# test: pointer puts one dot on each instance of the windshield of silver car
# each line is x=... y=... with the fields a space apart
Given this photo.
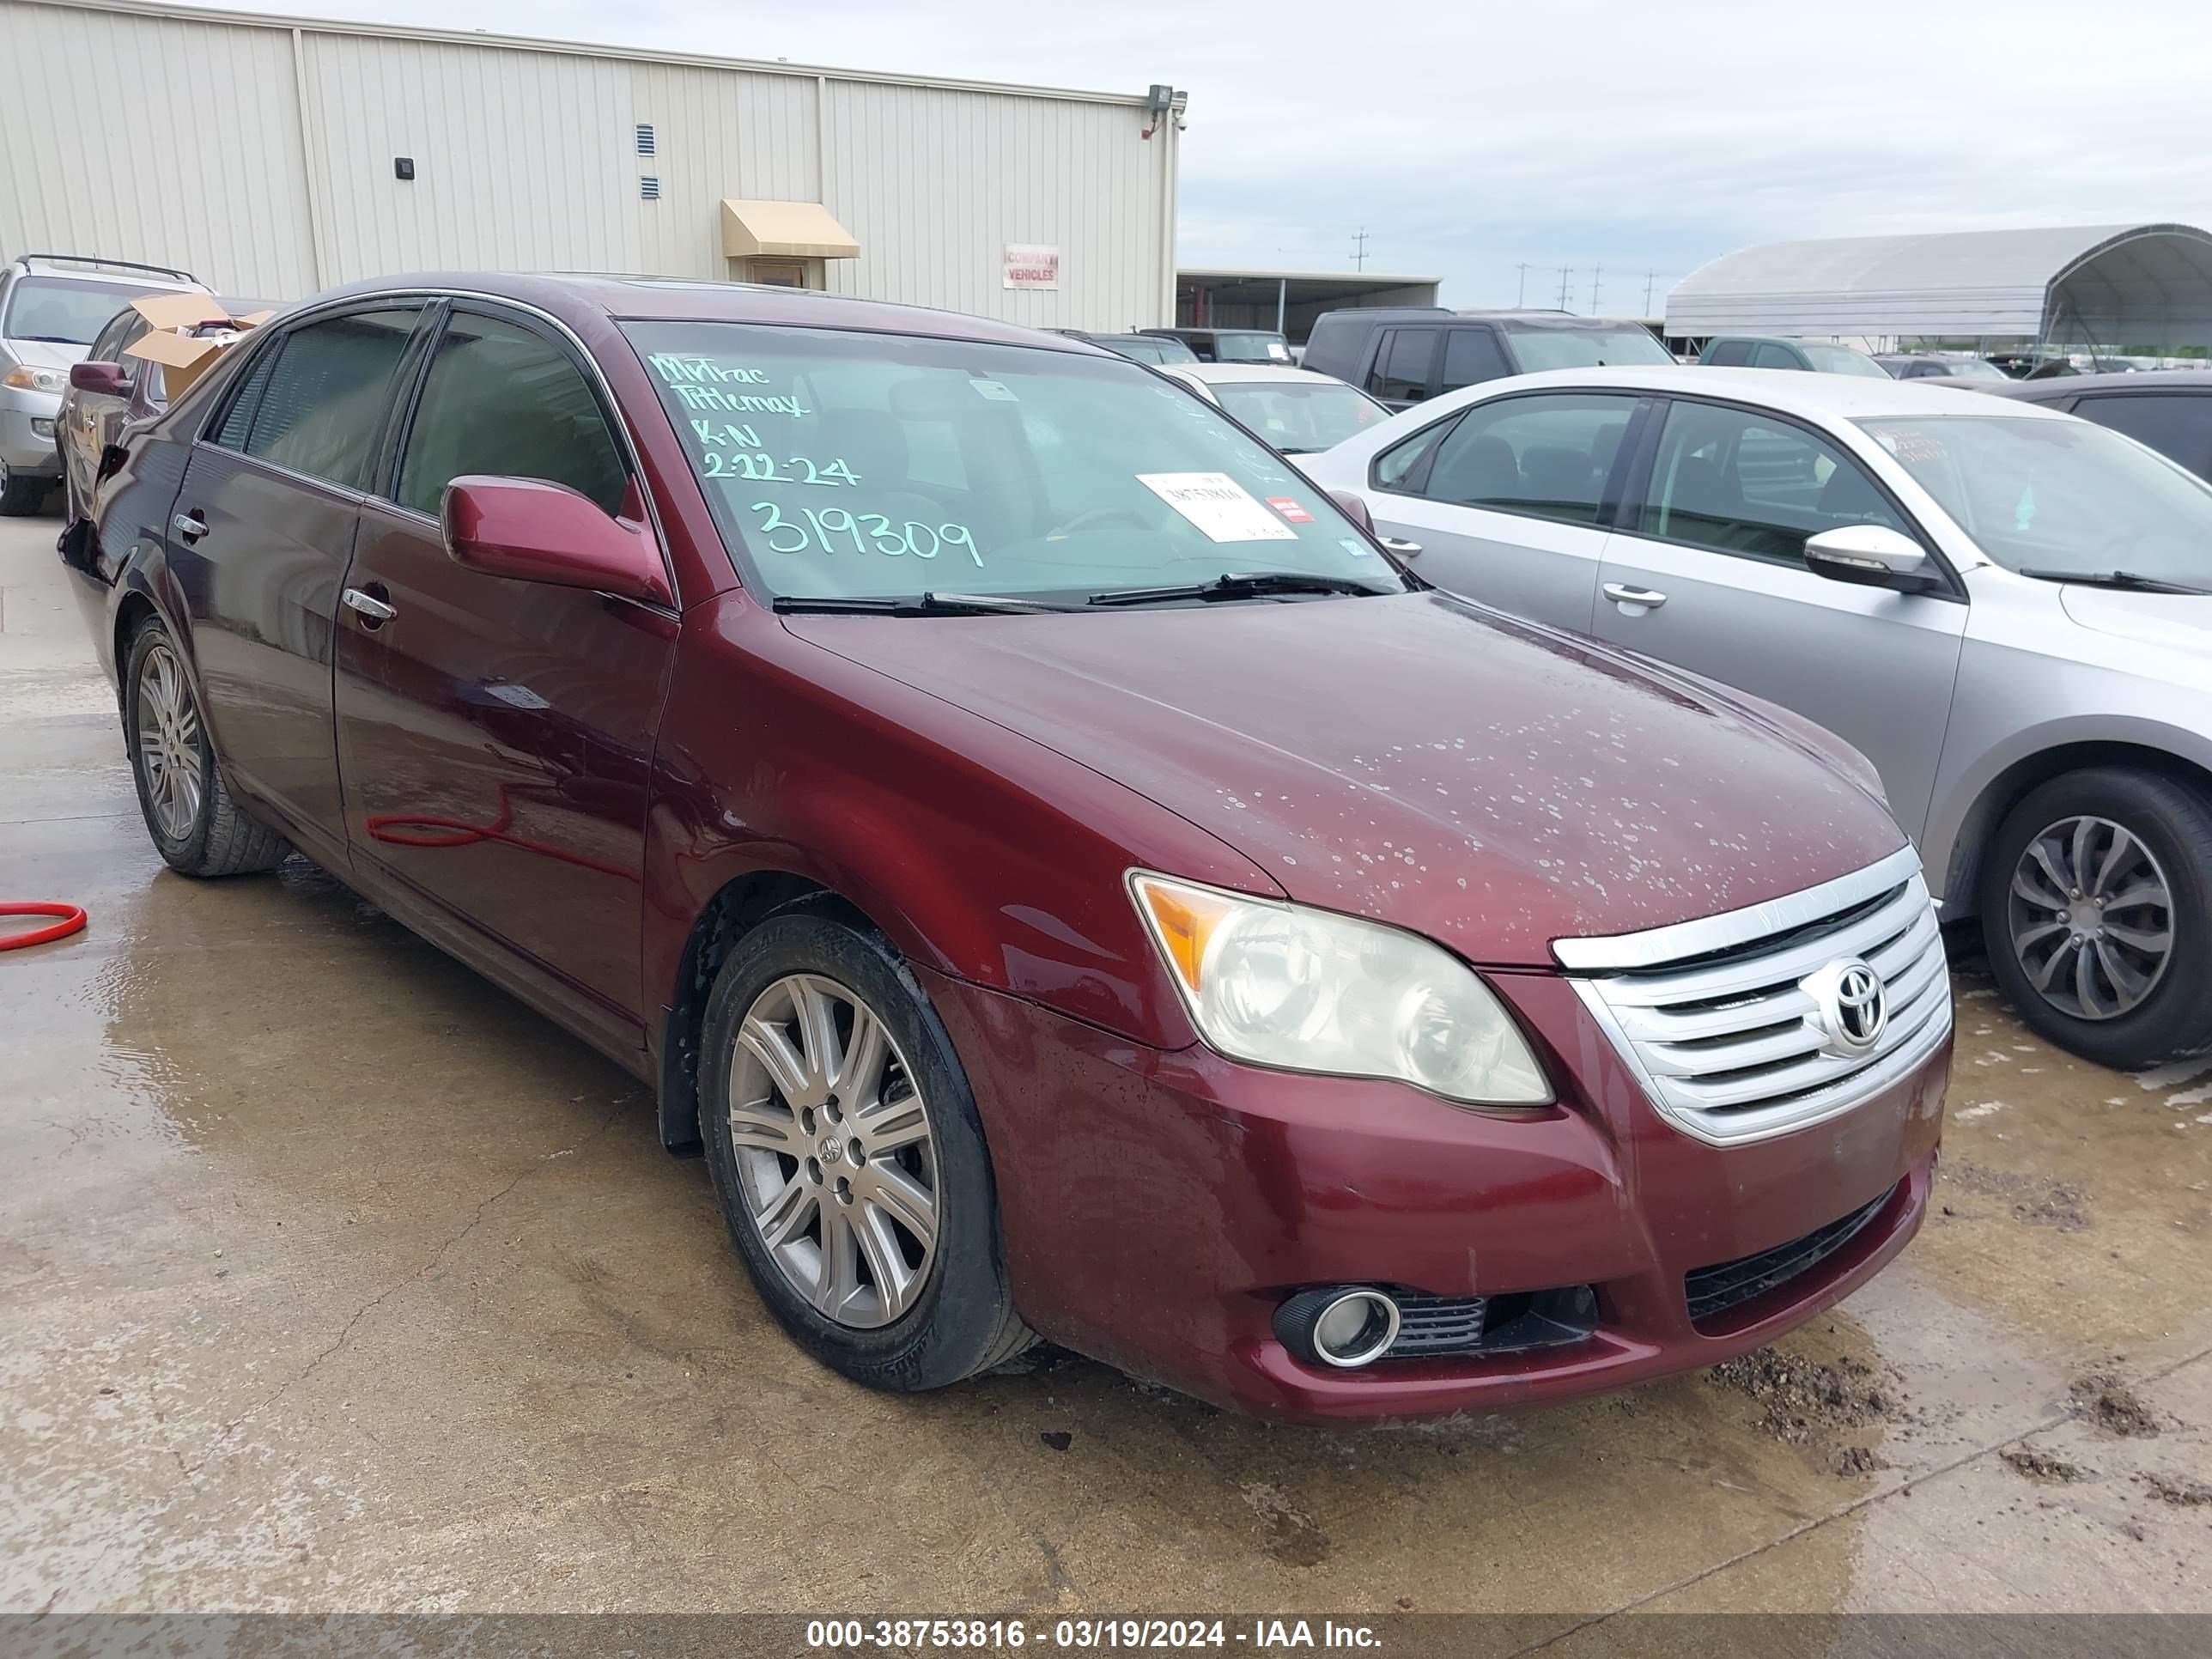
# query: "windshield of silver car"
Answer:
x=851 y=465
x=2059 y=497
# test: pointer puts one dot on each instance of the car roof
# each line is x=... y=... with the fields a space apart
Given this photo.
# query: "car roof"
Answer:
x=573 y=296
x=1787 y=390
x=1231 y=374
x=2149 y=380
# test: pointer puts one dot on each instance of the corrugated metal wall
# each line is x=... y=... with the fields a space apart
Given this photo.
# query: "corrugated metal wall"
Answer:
x=527 y=159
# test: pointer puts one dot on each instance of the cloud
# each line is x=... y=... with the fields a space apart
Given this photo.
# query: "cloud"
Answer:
x=1471 y=139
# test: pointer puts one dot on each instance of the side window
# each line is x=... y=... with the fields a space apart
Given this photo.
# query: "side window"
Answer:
x=107 y=346
x=1774 y=357
x=1401 y=365
x=328 y=389
x=1472 y=356
x=1739 y=482
x=502 y=399
x=1731 y=354
x=1546 y=456
x=2176 y=424
x=1395 y=467
x=246 y=399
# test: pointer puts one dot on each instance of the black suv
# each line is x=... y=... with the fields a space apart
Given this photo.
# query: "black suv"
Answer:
x=2169 y=410
x=1402 y=355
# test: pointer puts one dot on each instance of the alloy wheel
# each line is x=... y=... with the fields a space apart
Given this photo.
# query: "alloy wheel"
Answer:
x=169 y=752
x=834 y=1151
x=2091 y=918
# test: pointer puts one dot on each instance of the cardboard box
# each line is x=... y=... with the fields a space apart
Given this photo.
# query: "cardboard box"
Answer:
x=188 y=332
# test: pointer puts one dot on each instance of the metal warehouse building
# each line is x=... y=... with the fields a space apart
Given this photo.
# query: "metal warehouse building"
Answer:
x=273 y=156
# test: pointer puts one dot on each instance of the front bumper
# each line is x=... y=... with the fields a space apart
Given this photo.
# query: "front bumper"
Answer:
x=26 y=432
x=1158 y=1205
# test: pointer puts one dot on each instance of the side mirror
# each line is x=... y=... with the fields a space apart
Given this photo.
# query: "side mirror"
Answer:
x=528 y=531
x=1353 y=505
x=1872 y=555
x=103 y=379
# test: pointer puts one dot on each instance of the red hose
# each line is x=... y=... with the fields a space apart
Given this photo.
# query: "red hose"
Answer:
x=72 y=921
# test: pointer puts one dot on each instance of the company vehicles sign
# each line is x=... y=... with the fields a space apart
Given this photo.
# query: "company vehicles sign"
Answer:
x=1029 y=264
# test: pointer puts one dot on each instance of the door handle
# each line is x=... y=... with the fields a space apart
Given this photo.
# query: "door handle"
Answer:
x=189 y=526
x=375 y=612
x=1404 y=549
x=1644 y=598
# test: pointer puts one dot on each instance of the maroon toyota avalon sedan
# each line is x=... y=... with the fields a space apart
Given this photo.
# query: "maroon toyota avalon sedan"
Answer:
x=1068 y=880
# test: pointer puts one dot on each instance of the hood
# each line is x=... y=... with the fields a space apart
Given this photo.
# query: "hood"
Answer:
x=1419 y=759
x=2181 y=622
x=46 y=353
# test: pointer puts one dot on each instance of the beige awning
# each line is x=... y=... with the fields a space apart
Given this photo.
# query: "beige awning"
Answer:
x=785 y=230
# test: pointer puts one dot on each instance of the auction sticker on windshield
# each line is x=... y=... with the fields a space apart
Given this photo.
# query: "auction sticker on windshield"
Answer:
x=1218 y=506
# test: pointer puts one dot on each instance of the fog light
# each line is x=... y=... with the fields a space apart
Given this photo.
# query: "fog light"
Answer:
x=41 y=428
x=1343 y=1326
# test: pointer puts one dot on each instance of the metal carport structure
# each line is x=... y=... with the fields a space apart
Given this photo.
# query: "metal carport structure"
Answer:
x=2109 y=285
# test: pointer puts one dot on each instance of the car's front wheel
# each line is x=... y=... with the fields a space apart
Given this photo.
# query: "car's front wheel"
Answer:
x=196 y=826
x=848 y=1159
x=2096 y=908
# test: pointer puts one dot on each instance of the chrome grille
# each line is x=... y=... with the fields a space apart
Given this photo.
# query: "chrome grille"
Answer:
x=1715 y=1019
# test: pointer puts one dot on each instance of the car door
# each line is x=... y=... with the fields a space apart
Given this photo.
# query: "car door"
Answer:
x=1706 y=569
x=496 y=736
x=1767 y=355
x=259 y=538
x=2178 y=423
x=1508 y=502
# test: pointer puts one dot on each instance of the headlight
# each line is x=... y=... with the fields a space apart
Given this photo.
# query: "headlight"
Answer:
x=1312 y=991
x=26 y=378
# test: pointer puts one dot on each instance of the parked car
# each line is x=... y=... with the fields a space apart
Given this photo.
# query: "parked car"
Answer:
x=1138 y=348
x=2033 y=364
x=108 y=390
x=2170 y=410
x=1918 y=366
x=1068 y=878
x=1228 y=345
x=1772 y=351
x=1405 y=355
x=51 y=304
x=1295 y=410
x=2006 y=609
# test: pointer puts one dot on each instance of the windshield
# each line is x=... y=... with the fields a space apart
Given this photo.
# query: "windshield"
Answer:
x=2059 y=495
x=1297 y=415
x=1540 y=347
x=1147 y=348
x=1973 y=368
x=1841 y=360
x=883 y=466
x=1250 y=348
x=64 y=312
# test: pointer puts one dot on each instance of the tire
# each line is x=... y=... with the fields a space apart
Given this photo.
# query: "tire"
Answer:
x=196 y=826
x=22 y=494
x=2138 y=1001
x=785 y=1174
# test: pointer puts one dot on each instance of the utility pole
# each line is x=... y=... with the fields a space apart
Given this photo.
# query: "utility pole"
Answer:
x=1651 y=278
x=1596 y=271
x=1565 y=272
x=1521 y=294
x=1360 y=249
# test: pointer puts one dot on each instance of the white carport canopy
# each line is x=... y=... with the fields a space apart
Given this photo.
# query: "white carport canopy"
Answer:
x=2145 y=285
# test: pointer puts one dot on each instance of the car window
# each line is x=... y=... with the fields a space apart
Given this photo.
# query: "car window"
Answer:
x=1472 y=356
x=1737 y=482
x=1842 y=360
x=503 y=400
x=2176 y=424
x=1773 y=356
x=327 y=389
x=108 y=345
x=1731 y=354
x=1547 y=455
x=1401 y=365
x=64 y=311
x=1539 y=346
x=1298 y=416
x=1395 y=467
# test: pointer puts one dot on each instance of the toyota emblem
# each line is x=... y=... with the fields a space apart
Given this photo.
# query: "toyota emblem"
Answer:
x=1850 y=1008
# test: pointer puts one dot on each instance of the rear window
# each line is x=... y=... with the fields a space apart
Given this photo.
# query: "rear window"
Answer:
x=1842 y=360
x=882 y=466
x=1297 y=415
x=1250 y=348
x=1598 y=345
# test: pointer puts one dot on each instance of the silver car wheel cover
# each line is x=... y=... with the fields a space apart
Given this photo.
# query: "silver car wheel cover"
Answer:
x=170 y=759
x=2090 y=915
x=834 y=1153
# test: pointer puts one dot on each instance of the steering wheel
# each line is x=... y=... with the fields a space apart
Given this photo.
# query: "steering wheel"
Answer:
x=1094 y=517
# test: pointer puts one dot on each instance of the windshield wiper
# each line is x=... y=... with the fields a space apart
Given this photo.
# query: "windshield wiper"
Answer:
x=922 y=605
x=1248 y=585
x=2126 y=580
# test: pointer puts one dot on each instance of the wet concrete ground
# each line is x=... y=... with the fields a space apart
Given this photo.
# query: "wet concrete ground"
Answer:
x=330 y=1278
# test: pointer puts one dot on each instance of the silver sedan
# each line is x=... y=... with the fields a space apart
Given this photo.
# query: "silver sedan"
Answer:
x=2006 y=609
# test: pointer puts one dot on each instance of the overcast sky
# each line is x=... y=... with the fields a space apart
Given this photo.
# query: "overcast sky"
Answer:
x=1470 y=138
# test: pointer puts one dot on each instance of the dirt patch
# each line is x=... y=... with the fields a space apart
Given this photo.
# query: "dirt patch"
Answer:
x=2112 y=1405
x=2041 y=1466
x=2177 y=1490
x=1856 y=1460
x=2035 y=1199
x=1805 y=1401
x=1292 y=1537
